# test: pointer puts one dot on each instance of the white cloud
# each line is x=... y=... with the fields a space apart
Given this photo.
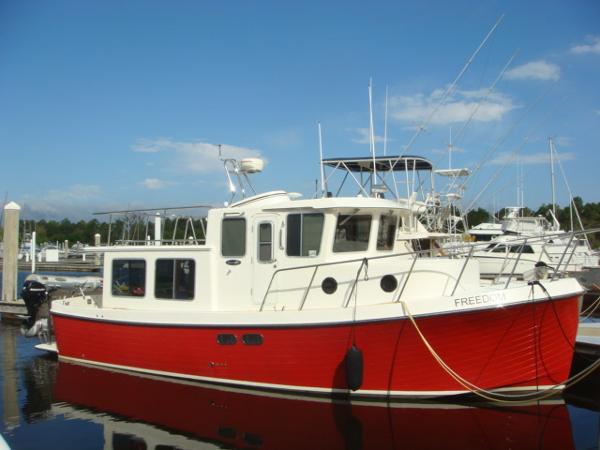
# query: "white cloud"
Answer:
x=199 y=157
x=72 y=201
x=76 y=192
x=564 y=141
x=534 y=70
x=458 y=107
x=148 y=145
x=582 y=49
x=154 y=183
x=364 y=136
x=530 y=159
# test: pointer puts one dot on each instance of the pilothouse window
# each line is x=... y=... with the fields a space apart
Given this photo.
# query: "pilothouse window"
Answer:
x=352 y=233
x=304 y=232
x=129 y=277
x=233 y=237
x=386 y=233
x=174 y=279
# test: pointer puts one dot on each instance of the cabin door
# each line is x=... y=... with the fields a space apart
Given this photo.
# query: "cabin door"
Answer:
x=265 y=251
x=235 y=267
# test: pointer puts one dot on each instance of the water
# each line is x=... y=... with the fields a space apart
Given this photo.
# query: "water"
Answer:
x=55 y=405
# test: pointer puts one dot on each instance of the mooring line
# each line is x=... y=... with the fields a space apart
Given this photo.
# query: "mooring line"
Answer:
x=496 y=396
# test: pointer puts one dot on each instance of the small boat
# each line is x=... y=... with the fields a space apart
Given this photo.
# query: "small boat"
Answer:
x=67 y=282
x=324 y=296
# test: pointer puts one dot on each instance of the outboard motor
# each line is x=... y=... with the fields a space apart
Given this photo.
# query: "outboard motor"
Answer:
x=35 y=296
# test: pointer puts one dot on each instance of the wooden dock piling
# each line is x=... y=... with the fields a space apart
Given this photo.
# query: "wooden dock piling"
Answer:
x=10 y=252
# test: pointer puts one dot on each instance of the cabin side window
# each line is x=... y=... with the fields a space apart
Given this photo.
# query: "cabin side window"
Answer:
x=174 y=279
x=352 y=233
x=233 y=237
x=265 y=242
x=386 y=234
x=520 y=249
x=304 y=232
x=129 y=277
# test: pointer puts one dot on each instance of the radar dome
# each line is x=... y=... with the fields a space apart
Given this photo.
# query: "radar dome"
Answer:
x=252 y=165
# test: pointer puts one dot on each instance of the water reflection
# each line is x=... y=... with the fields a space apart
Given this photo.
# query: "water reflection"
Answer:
x=39 y=376
x=141 y=412
x=586 y=393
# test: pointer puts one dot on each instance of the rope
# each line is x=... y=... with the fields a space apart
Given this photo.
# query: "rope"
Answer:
x=495 y=396
x=591 y=309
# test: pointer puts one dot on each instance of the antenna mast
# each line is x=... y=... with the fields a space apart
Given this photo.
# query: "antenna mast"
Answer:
x=450 y=150
x=385 y=123
x=323 y=186
x=372 y=133
x=551 y=142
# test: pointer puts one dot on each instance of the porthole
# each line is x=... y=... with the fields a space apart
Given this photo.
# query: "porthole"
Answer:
x=252 y=339
x=226 y=339
x=329 y=285
x=389 y=283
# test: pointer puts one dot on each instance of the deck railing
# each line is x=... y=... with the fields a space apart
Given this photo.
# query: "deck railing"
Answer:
x=363 y=263
x=521 y=242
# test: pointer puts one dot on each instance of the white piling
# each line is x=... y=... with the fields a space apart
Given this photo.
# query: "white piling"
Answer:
x=157 y=229
x=33 y=236
x=11 y=252
x=97 y=243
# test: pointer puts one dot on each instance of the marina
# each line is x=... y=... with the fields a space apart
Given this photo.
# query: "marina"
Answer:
x=324 y=225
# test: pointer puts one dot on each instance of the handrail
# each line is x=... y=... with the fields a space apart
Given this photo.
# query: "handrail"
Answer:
x=308 y=288
x=150 y=243
x=406 y=279
x=364 y=263
x=554 y=275
x=325 y=264
x=570 y=256
x=516 y=263
x=462 y=270
x=416 y=254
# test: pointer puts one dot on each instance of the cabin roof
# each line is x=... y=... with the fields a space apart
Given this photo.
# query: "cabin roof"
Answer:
x=284 y=201
x=338 y=203
x=382 y=163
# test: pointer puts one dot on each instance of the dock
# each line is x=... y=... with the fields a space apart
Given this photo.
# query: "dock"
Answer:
x=588 y=338
x=64 y=265
x=10 y=310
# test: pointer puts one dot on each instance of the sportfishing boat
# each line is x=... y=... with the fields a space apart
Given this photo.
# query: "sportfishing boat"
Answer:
x=325 y=296
x=529 y=242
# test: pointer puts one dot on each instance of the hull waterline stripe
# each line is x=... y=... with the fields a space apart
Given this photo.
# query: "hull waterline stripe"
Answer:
x=316 y=390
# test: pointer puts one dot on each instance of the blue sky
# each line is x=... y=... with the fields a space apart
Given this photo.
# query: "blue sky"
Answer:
x=112 y=104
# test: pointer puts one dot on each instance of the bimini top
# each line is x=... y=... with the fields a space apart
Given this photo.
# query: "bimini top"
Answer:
x=382 y=163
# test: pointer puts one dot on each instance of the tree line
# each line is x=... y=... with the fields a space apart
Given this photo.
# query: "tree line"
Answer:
x=138 y=227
